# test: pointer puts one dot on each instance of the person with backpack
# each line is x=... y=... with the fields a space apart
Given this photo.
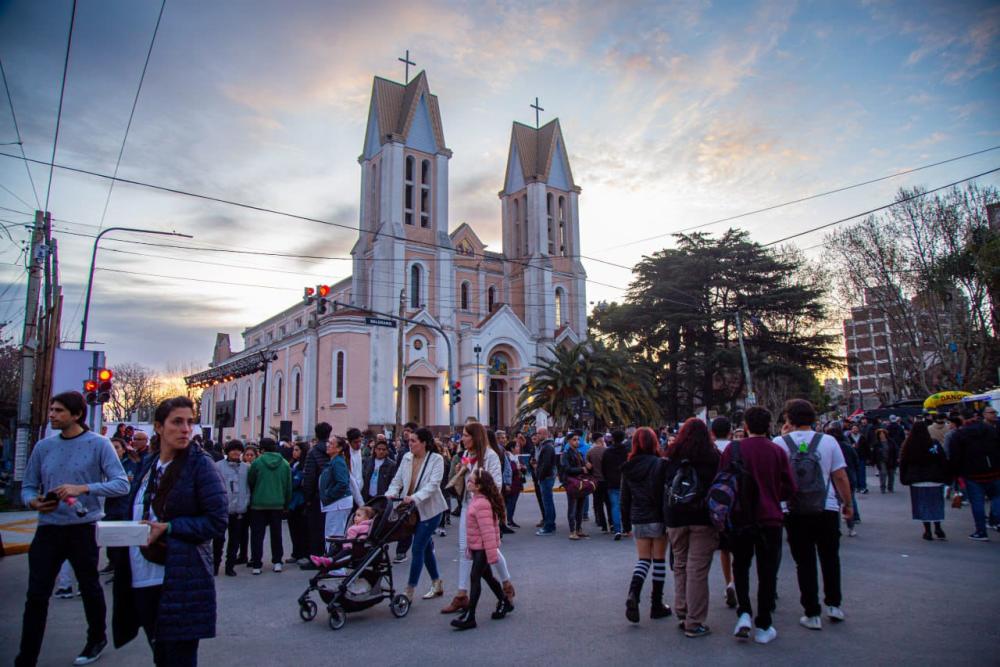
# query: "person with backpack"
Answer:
x=813 y=521
x=722 y=432
x=692 y=461
x=762 y=472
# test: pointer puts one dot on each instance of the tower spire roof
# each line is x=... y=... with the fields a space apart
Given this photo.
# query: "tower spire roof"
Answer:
x=395 y=106
x=537 y=149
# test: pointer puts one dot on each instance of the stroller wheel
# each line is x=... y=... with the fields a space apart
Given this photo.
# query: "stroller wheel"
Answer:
x=307 y=610
x=338 y=617
x=400 y=606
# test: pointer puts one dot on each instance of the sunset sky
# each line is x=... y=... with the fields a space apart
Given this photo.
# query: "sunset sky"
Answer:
x=674 y=114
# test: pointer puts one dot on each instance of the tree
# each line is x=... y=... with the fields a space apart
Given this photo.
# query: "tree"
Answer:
x=10 y=382
x=678 y=319
x=617 y=391
x=135 y=388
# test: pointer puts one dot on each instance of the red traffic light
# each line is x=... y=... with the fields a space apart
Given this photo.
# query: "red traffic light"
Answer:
x=458 y=385
x=310 y=291
x=104 y=374
x=323 y=290
x=89 y=385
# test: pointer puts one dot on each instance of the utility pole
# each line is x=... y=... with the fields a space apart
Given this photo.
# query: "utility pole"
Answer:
x=399 y=365
x=751 y=398
x=29 y=342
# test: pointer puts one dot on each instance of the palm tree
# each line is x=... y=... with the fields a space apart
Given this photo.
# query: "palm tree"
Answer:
x=617 y=390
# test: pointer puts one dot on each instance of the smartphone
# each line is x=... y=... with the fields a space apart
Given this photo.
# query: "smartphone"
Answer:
x=50 y=496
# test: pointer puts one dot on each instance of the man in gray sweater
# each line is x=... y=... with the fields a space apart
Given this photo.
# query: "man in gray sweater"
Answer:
x=67 y=477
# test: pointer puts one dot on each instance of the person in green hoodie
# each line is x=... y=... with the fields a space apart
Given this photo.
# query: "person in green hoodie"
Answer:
x=270 y=482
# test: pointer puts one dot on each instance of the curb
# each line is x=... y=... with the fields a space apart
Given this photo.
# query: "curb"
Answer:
x=15 y=549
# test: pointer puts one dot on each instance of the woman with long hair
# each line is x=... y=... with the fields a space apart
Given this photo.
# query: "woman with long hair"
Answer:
x=692 y=461
x=418 y=482
x=167 y=588
x=335 y=498
x=643 y=475
x=923 y=466
x=298 y=527
x=477 y=455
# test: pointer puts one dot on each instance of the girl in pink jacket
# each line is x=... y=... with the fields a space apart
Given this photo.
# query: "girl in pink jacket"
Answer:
x=483 y=517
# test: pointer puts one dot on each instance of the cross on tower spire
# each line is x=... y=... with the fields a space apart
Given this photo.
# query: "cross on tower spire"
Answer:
x=407 y=62
x=537 y=109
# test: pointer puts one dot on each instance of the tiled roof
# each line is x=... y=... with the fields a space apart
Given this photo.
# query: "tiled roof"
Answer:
x=537 y=148
x=396 y=105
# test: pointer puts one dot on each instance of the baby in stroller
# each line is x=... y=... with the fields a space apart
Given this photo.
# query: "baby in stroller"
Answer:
x=340 y=551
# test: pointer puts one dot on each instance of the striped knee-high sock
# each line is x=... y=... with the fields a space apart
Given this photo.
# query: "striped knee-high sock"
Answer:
x=640 y=572
x=659 y=576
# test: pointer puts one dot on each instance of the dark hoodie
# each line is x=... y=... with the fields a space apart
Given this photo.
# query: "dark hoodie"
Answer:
x=316 y=461
x=642 y=490
x=270 y=482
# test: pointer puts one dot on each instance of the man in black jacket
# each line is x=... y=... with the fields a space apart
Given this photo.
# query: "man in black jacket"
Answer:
x=975 y=455
x=611 y=468
x=316 y=460
x=379 y=466
x=545 y=477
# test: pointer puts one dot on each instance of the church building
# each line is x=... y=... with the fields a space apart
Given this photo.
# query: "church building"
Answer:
x=500 y=311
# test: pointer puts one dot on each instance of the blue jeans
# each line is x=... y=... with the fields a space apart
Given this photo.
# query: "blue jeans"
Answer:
x=510 y=504
x=977 y=493
x=862 y=473
x=548 y=504
x=423 y=550
x=615 y=496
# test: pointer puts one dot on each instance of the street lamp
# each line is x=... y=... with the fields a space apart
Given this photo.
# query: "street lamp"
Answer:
x=93 y=260
x=477 y=350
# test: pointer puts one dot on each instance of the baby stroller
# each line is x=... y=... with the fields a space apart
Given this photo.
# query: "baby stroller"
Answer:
x=361 y=574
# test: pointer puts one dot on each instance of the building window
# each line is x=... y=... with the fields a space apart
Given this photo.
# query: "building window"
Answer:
x=339 y=374
x=559 y=307
x=249 y=410
x=408 y=191
x=256 y=341
x=425 y=194
x=296 y=389
x=415 y=286
x=298 y=322
x=517 y=228
x=524 y=221
x=277 y=393
x=282 y=330
x=562 y=227
x=491 y=298
x=465 y=295
x=550 y=224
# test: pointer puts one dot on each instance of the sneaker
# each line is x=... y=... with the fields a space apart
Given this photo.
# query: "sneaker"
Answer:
x=90 y=653
x=303 y=561
x=399 y=558
x=255 y=570
x=995 y=526
x=441 y=532
x=731 y=601
x=811 y=622
x=321 y=561
x=545 y=532
x=835 y=614
x=277 y=567
x=574 y=536
x=64 y=593
x=292 y=561
x=743 y=627
x=852 y=533
x=980 y=536
x=699 y=631
x=618 y=536
x=765 y=636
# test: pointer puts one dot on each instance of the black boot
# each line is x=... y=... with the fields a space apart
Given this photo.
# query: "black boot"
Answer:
x=504 y=607
x=632 y=602
x=466 y=621
x=938 y=533
x=657 y=609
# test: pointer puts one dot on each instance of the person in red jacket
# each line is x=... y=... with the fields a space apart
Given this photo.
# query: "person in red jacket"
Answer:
x=768 y=465
x=483 y=517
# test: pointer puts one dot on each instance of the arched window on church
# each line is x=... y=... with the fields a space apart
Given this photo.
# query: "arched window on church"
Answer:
x=415 y=286
x=425 y=194
x=339 y=376
x=524 y=220
x=516 y=217
x=491 y=298
x=296 y=389
x=277 y=393
x=559 y=307
x=551 y=225
x=464 y=295
x=408 y=191
x=563 y=250
x=249 y=410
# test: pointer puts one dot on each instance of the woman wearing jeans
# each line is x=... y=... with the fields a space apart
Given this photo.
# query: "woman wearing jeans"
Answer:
x=573 y=464
x=418 y=481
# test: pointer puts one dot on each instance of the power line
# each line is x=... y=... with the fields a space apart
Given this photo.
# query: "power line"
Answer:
x=17 y=131
x=197 y=280
x=14 y=195
x=807 y=198
x=62 y=92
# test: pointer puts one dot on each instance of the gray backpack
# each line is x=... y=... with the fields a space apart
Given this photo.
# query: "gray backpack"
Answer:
x=813 y=489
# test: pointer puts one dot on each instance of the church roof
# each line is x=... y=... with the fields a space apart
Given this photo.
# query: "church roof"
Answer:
x=396 y=106
x=536 y=149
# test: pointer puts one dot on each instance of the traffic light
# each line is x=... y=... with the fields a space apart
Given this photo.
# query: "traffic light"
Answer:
x=318 y=296
x=104 y=387
x=90 y=391
x=308 y=295
x=456 y=392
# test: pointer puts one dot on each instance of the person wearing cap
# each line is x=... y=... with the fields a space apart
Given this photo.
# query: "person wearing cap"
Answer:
x=234 y=478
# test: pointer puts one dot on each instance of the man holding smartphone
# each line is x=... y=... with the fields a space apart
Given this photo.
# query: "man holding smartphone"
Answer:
x=66 y=478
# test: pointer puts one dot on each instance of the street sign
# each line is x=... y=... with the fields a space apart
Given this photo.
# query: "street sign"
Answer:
x=380 y=322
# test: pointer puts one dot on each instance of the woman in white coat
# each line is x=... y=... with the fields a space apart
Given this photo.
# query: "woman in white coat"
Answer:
x=477 y=455
x=418 y=481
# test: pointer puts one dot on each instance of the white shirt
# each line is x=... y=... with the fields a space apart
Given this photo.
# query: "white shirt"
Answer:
x=145 y=573
x=356 y=464
x=373 y=484
x=722 y=444
x=831 y=459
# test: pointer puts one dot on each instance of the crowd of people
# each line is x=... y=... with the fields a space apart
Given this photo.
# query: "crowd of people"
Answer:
x=681 y=494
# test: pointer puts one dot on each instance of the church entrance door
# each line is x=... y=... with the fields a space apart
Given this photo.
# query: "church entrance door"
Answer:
x=416 y=404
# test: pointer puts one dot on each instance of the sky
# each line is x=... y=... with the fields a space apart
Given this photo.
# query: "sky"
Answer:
x=674 y=114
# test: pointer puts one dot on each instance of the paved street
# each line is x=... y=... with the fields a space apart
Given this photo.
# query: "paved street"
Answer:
x=907 y=602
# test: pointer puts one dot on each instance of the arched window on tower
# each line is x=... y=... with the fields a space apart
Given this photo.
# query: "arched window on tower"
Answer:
x=415 y=286
x=516 y=217
x=563 y=250
x=551 y=224
x=491 y=298
x=425 y=194
x=408 y=191
x=559 y=307
x=464 y=295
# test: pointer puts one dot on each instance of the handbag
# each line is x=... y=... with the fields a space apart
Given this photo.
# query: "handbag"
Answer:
x=580 y=485
x=155 y=552
x=457 y=482
x=412 y=519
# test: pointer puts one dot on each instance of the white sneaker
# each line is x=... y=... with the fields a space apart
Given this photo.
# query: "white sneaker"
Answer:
x=852 y=533
x=255 y=570
x=743 y=627
x=835 y=614
x=277 y=567
x=765 y=636
x=811 y=622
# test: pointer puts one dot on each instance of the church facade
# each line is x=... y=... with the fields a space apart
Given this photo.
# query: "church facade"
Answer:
x=500 y=311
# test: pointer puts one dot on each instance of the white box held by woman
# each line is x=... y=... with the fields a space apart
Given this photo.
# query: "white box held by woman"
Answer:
x=122 y=534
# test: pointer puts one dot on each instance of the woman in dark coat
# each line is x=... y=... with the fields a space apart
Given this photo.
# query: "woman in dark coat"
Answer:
x=923 y=467
x=180 y=495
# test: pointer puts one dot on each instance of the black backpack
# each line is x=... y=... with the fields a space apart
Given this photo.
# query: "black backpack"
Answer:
x=684 y=489
x=812 y=487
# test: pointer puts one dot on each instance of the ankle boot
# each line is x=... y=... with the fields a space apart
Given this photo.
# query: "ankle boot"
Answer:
x=504 y=607
x=659 y=610
x=466 y=621
x=458 y=603
x=632 y=602
x=938 y=532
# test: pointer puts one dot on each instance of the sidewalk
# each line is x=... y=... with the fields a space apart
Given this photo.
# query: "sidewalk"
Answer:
x=17 y=530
